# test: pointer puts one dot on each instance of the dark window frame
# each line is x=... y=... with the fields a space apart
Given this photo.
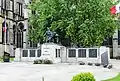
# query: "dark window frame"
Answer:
x=92 y=55
x=57 y=53
x=80 y=53
x=20 y=10
x=26 y=54
x=38 y=53
x=20 y=35
x=31 y=51
x=14 y=34
x=70 y=53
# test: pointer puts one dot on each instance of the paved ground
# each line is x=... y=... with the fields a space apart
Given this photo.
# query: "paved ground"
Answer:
x=21 y=71
x=116 y=65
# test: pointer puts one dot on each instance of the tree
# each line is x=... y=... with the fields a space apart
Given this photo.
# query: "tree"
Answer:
x=85 y=22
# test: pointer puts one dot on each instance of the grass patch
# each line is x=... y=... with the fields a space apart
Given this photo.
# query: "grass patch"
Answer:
x=117 y=78
x=11 y=59
x=1 y=59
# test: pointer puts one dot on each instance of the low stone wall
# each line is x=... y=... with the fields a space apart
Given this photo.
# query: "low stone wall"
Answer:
x=92 y=55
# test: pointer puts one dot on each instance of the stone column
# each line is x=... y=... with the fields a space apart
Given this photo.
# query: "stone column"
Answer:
x=115 y=43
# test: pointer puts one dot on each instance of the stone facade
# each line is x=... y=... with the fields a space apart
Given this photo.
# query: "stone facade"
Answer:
x=17 y=25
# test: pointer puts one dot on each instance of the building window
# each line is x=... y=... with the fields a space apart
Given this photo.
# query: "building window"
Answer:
x=7 y=6
x=14 y=31
x=19 y=10
x=4 y=7
x=57 y=52
x=93 y=53
x=12 y=9
x=20 y=35
x=82 y=53
x=72 y=53
x=110 y=41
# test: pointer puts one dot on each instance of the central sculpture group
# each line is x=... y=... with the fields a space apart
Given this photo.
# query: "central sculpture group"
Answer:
x=51 y=36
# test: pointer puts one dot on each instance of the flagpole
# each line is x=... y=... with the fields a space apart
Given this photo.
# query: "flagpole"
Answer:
x=5 y=34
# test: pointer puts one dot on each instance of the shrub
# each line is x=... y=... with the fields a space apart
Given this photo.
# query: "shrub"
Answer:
x=1 y=58
x=43 y=62
x=48 y=62
x=35 y=62
x=105 y=65
x=81 y=63
x=97 y=64
x=39 y=61
x=110 y=66
x=90 y=64
x=83 y=77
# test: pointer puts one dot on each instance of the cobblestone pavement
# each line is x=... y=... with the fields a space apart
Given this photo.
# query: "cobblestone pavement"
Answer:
x=21 y=71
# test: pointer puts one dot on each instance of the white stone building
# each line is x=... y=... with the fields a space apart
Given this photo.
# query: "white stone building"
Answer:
x=17 y=25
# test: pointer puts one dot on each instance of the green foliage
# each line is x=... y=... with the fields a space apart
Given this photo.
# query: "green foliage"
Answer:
x=11 y=59
x=85 y=22
x=1 y=59
x=83 y=77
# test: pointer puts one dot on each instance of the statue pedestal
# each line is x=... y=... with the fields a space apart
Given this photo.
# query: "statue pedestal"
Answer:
x=51 y=51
